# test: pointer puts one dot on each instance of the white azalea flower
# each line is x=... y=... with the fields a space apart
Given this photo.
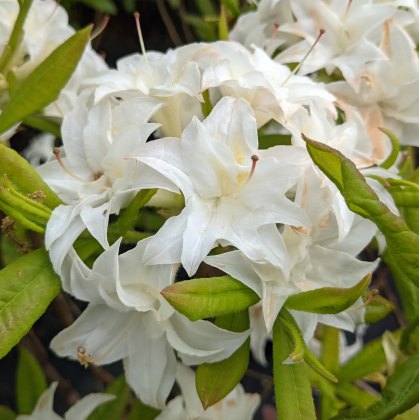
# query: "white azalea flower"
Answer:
x=318 y=258
x=228 y=196
x=237 y=405
x=46 y=27
x=95 y=179
x=128 y=319
x=388 y=93
x=352 y=30
x=79 y=411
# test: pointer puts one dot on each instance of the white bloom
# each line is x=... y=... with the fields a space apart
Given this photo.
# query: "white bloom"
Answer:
x=352 y=30
x=128 y=319
x=388 y=91
x=229 y=198
x=237 y=405
x=102 y=181
x=39 y=149
x=318 y=258
x=79 y=411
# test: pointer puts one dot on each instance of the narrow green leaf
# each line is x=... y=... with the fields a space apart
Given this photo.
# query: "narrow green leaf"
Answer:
x=371 y=358
x=30 y=382
x=206 y=7
x=24 y=177
x=27 y=286
x=6 y=413
x=291 y=384
x=327 y=300
x=402 y=244
x=395 y=149
x=400 y=393
x=209 y=297
x=409 y=342
x=44 y=84
x=206 y=106
x=354 y=395
x=378 y=309
x=330 y=359
x=300 y=350
x=215 y=380
x=45 y=124
x=128 y=216
x=113 y=409
x=16 y=36
x=232 y=6
x=142 y=411
x=104 y=6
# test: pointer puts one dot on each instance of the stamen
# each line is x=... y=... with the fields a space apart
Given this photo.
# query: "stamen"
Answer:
x=254 y=159
x=57 y=154
x=349 y=3
x=298 y=67
x=84 y=358
x=140 y=35
x=100 y=28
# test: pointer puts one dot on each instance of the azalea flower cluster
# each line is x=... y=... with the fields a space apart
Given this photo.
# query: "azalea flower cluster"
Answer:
x=194 y=124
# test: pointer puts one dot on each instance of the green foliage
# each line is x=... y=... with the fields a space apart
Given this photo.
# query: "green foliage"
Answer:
x=265 y=141
x=209 y=297
x=6 y=413
x=395 y=149
x=402 y=244
x=113 y=409
x=400 y=393
x=142 y=411
x=30 y=382
x=291 y=384
x=378 y=309
x=24 y=177
x=300 y=349
x=327 y=300
x=215 y=380
x=44 y=84
x=27 y=286
x=104 y=6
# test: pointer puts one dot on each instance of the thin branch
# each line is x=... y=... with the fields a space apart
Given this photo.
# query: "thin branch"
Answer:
x=169 y=24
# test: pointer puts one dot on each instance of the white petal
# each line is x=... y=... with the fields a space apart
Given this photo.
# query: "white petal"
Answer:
x=201 y=341
x=83 y=407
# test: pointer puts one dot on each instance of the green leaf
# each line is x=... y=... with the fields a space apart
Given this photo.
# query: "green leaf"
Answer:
x=44 y=84
x=327 y=300
x=45 y=124
x=402 y=244
x=209 y=297
x=128 y=216
x=206 y=7
x=400 y=393
x=206 y=31
x=215 y=380
x=30 y=382
x=409 y=342
x=371 y=358
x=291 y=384
x=265 y=141
x=27 y=286
x=114 y=409
x=232 y=6
x=6 y=413
x=104 y=6
x=24 y=176
x=377 y=309
x=142 y=411
x=330 y=359
x=354 y=395
x=395 y=149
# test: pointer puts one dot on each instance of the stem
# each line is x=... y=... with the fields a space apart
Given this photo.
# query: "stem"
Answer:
x=15 y=37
